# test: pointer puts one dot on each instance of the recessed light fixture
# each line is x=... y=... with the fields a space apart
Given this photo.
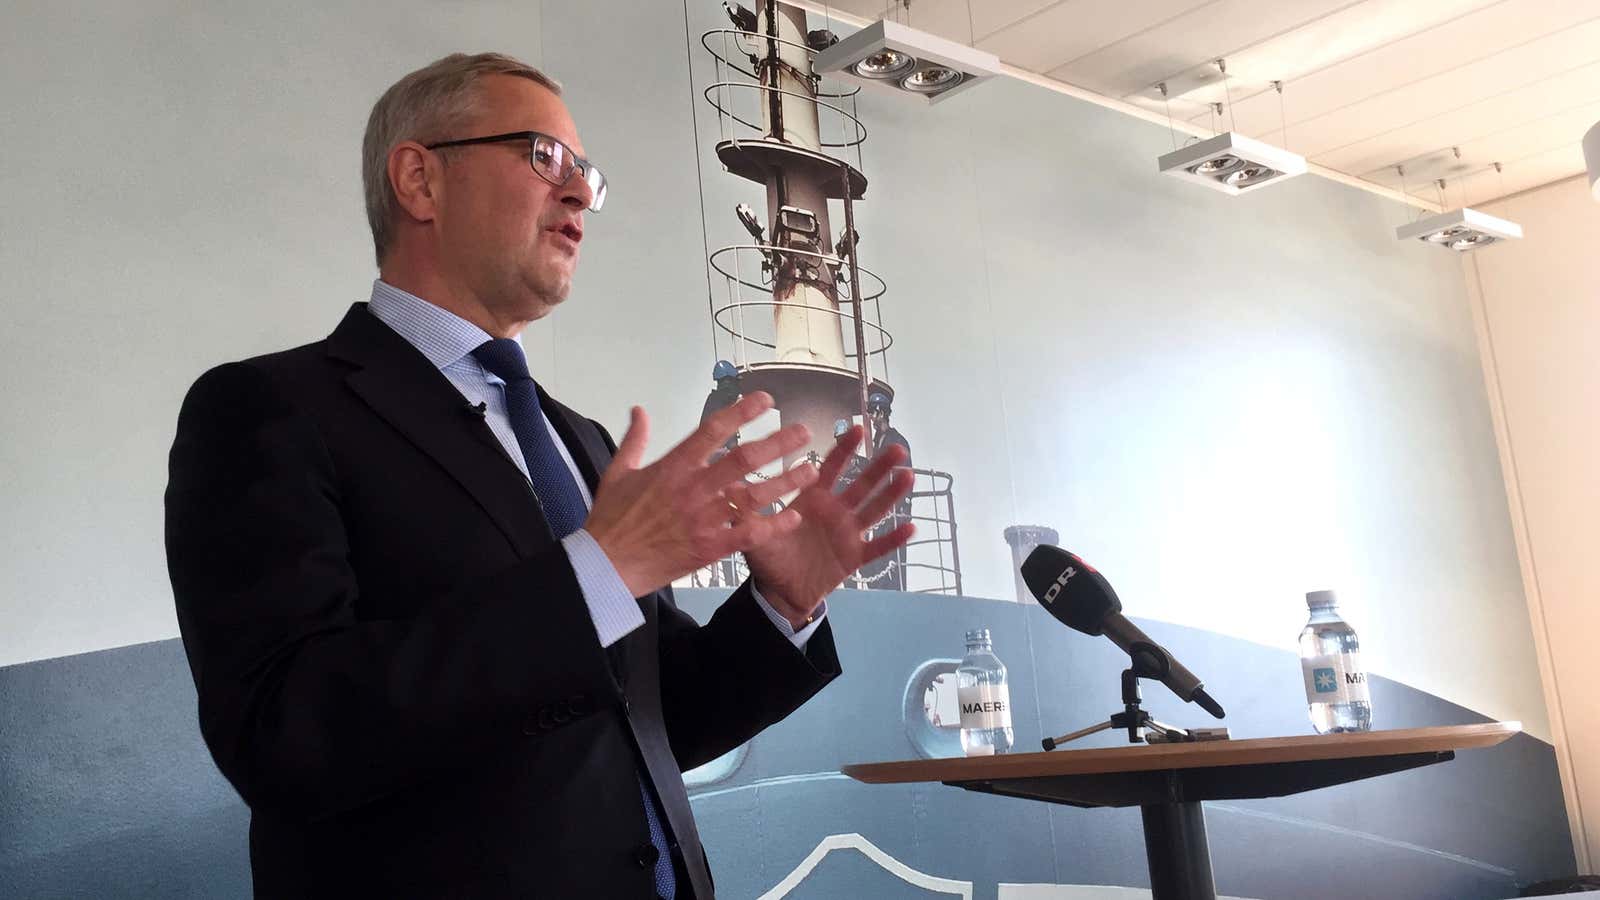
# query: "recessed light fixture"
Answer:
x=892 y=56
x=931 y=80
x=885 y=63
x=1232 y=163
x=1460 y=229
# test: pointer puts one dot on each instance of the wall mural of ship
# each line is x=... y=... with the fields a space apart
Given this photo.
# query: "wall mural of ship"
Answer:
x=101 y=795
x=799 y=317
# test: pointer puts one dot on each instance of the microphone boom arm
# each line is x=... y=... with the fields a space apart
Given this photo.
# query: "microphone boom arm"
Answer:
x=1151 y=660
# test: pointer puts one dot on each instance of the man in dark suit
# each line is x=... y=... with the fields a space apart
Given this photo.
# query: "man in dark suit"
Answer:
x=427 y=606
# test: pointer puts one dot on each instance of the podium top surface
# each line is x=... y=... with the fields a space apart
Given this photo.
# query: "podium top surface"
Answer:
x=1205 y=754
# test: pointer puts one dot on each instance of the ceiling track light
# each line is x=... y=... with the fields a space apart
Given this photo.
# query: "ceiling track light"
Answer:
x=891 y=56
x=1460 y=230
x=1232 y=163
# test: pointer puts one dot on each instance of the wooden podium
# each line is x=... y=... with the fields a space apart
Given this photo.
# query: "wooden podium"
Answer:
x=1168 y=782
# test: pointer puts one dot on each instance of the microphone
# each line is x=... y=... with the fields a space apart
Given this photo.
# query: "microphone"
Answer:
x=1081 y=598
x=479 y=409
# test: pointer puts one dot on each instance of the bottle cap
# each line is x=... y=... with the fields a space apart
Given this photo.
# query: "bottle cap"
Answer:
x=978 y=636
x=1321 y=600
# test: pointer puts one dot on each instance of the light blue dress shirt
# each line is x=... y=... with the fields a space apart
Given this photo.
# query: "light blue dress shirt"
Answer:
x=447 y=340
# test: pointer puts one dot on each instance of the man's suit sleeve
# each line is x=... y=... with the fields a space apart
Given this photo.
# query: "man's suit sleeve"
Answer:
x=307 y=710
x=723 y=682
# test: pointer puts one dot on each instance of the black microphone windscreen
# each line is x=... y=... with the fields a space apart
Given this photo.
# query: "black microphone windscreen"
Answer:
x=1069 y=588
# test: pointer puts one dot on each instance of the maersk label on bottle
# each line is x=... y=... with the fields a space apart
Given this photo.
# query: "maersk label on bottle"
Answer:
x=985 y=706
x=1335 y=678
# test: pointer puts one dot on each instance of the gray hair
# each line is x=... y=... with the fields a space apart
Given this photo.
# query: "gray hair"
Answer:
x=425 y=106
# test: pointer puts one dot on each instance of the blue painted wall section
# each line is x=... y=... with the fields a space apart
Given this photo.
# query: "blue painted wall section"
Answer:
x=107 y=791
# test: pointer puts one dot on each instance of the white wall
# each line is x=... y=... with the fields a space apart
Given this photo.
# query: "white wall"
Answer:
x=1539 y=318
x=182 y=188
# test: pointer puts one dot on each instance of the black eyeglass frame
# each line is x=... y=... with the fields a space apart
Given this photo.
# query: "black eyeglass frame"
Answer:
x=532 y=137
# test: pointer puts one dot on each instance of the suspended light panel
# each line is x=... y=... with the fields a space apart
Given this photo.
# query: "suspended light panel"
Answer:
x=1461 y=230
x=891 y=56
x=1232 y=163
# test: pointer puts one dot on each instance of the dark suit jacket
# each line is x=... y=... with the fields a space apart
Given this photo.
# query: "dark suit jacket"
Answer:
x=394 y=662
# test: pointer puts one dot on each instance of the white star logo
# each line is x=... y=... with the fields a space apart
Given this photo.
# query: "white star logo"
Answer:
x=1324 y=681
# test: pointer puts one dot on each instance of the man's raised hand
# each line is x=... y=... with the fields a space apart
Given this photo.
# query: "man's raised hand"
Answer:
x=659 y=522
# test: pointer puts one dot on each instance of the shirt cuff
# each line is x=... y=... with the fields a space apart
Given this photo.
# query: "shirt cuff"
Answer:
x=798 y=638
x=614 y=611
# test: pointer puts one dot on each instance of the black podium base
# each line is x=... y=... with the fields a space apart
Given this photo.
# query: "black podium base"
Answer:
x=1175 y=845
x=1174 y=824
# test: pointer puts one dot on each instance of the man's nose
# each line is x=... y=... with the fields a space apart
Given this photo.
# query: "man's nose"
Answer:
x=576 y=193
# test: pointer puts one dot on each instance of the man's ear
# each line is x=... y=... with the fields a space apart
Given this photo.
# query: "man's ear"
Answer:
x=414 y=174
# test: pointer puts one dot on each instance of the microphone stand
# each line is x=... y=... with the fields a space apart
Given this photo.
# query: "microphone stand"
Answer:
x=1151 y=662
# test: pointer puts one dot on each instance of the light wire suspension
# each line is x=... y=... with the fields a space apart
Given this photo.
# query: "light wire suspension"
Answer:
x=1283 y=117
x=1171 y=129
x=1222 y=66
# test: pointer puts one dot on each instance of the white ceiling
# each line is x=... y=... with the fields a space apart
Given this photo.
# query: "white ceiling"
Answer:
x=1367 y=84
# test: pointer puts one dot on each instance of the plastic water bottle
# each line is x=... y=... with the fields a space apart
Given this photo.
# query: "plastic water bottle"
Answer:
x=985 y=698
x=1330 y=659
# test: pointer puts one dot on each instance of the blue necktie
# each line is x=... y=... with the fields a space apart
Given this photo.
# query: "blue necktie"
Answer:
x=565 y=510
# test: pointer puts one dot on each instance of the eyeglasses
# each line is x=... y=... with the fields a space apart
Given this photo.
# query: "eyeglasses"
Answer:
x=552 y=160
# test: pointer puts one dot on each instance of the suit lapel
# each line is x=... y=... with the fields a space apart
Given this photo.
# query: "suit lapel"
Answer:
x=582 y=438
x=405 y=389
x=592 y=452
x=414 y=397
x=589 y=450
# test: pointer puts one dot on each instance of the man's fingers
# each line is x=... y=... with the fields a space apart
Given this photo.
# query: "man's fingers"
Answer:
x=715 y=431
x=631 y=450
x=842 y=450
x=741 y=500
x=764 y=493
x=883 y=545
x=879 y=504
x=747 y=458
x=753 y=531
x=867 y=481
x=748 y=498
